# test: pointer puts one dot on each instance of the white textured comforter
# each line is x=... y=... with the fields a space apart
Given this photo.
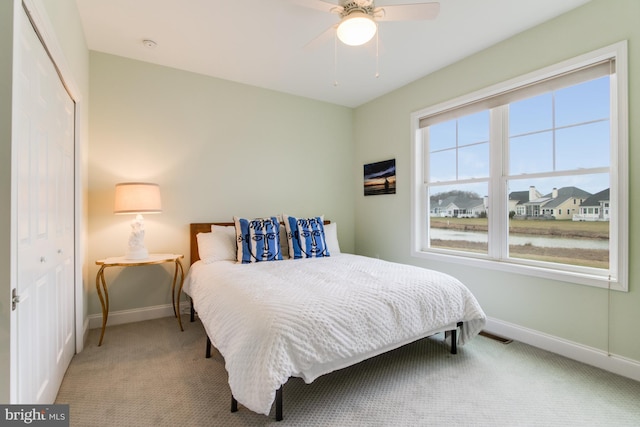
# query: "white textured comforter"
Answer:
x=309 y=317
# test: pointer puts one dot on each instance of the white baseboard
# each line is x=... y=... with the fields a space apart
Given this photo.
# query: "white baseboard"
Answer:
x=585 y=354
x=136 y=315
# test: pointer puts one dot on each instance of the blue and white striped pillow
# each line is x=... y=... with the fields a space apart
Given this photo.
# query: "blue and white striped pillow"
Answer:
x=306 y=237
x=258 y=239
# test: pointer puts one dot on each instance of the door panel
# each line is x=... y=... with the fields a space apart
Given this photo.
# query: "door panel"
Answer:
x=44 y=141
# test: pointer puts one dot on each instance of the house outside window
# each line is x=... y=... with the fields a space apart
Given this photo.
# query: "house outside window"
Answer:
x=536 y=169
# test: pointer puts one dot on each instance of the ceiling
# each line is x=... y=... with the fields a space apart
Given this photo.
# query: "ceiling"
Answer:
x=264 y=42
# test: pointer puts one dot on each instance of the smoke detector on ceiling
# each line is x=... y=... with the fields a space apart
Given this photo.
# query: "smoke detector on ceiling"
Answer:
x=149 y=44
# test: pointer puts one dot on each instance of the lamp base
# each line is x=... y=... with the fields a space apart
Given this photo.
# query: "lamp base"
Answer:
x=136 y=248
x=140 y=253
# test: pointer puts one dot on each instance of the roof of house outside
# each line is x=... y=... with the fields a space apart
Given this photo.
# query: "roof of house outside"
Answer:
x=595 y=199
x=564 y=194
x=520 y=196
x=460 y=202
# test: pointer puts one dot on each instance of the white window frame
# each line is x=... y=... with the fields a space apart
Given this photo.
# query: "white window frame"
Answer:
x=619 y=190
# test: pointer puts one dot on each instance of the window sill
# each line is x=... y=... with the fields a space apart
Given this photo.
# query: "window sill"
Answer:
x=579 y=278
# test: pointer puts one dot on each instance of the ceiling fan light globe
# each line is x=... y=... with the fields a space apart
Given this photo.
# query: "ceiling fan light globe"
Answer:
x=356 y=29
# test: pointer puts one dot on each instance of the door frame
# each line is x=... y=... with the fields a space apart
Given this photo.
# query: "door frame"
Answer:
x=45 y=30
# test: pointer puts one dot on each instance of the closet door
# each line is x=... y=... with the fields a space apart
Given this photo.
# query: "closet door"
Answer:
x=44 y=144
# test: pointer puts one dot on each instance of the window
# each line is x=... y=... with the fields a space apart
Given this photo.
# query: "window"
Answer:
x=530 y=175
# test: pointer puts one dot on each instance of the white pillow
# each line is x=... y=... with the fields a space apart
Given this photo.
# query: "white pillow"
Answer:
x=219 y=245
x=331 y=236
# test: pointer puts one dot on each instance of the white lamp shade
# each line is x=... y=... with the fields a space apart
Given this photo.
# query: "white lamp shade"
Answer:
x=137 y=198
x=356 y=28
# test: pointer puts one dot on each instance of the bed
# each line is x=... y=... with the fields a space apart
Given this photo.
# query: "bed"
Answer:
x=311 y=316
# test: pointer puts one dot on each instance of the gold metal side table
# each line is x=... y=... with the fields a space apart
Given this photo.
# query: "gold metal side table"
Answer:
x=123 y=262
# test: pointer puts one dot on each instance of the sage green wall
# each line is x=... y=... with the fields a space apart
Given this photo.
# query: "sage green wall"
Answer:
x=6 y=79
x=217 y=149
x=382 y=130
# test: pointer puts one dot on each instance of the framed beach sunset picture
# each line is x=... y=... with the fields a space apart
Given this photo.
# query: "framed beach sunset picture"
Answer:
x=380 y=178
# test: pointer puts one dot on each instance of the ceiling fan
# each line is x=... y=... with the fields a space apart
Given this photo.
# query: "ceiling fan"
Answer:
x=359 y=18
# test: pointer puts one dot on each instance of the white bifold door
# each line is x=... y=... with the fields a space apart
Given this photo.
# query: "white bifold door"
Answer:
x=43 y=144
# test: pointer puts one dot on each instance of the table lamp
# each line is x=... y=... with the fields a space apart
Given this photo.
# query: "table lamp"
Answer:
x=137 y=198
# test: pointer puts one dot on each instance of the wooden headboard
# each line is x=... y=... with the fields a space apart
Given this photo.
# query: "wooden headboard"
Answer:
x=205 y=227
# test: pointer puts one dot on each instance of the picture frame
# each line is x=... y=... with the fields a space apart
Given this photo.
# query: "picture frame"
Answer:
x=380 y=178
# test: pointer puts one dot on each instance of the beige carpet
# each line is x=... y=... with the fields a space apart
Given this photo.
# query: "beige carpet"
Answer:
x=151 y=374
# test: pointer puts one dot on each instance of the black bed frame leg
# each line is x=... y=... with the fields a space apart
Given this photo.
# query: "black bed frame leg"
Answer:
x=454 y=338
x=454 y=341
x=279 y=404
x=207 y=353
x=234 y=404
x=193 y=311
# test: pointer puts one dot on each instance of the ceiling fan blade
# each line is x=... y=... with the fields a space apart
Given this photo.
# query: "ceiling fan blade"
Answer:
x=321 y=39
x=407 y=12
x=323 y=6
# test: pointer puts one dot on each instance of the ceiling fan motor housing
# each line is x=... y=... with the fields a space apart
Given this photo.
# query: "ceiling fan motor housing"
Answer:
x=351 y=6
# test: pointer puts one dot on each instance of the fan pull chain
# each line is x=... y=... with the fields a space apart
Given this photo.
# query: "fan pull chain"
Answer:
x=378 y=52
x=335 y=59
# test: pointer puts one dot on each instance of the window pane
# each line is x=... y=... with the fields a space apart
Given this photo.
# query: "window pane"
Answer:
x=442 y=166
x=442 y=136
x=531 y=115
x=561 y=220
x=473 y=128
x=531 y=153
x=458 y=217
x=473 y=161
x=459 y=148
x=582 y=103
x=578 y=136
x=584 y=146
